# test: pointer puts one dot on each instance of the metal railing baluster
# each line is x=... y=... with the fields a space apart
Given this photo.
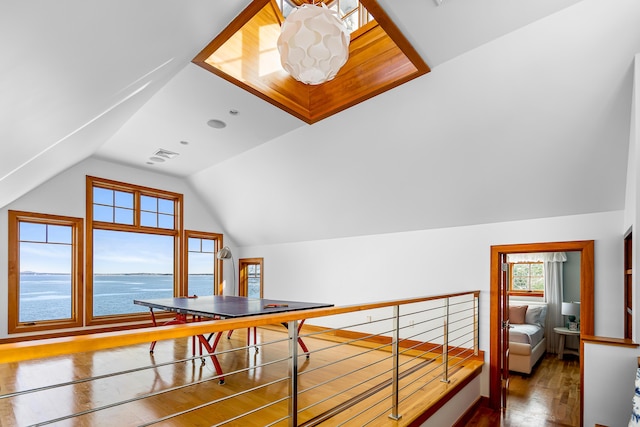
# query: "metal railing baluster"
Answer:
x=395 y=373
x=476 y=339
x=445 y=345
x=293 y=372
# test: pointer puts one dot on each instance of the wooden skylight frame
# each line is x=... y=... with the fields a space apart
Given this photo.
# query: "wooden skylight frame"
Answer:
x=380 y=58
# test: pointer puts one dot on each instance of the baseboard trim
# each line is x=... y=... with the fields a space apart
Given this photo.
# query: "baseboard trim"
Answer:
x=450 y=394
x=482 y=402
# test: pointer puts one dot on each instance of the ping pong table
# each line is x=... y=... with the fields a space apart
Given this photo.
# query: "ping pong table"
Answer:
x=223 y=307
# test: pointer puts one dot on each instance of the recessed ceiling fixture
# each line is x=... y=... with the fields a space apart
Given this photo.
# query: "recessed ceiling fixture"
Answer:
x=216 y=124
x=156 y=159
x=313 y=44
x=184 y=142
x=233 y=112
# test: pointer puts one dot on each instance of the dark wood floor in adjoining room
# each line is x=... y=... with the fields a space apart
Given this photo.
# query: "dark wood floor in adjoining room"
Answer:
x=550 y=396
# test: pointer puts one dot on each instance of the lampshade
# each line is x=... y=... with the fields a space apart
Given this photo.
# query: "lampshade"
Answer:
x=313 y=44
x=570 y=309
x=224 y=253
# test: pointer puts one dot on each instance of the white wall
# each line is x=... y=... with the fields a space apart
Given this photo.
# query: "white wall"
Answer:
x=609 y=374
x=632 y=213
x=612 y=368
x=431 y=262
x=630 y=205
x=65 y=195
x=455 y=408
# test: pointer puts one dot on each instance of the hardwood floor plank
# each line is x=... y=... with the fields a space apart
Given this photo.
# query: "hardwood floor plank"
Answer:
x=169 y=386
x=550 y=396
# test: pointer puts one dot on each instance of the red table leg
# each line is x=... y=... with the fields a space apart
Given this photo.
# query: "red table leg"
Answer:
x=302 y=344
x=304 y=347
x=180 y=319
x=211 y=350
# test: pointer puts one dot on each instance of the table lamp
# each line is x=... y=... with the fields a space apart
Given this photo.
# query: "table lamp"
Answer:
x=571 y=310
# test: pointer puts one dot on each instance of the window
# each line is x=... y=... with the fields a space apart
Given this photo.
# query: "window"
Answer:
x=202 y=267
x=121 y=207
x=133 y=247
x=45 y=272
x=251 y=277
x=350 y=12
x=130 y=265
x=526 y=278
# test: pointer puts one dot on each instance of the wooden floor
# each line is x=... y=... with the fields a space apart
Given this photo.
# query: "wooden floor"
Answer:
x=168 y=387
x=550 y=396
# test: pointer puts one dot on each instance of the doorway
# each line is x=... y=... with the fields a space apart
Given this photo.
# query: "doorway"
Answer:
x=251 y=277
x=496 y=294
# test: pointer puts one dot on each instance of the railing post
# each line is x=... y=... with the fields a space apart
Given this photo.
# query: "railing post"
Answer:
x=293 y=373
x=396 y=364
x=476 y=314
x=445 y=344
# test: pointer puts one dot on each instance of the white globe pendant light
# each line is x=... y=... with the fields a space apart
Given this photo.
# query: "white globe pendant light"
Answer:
x=313 y=44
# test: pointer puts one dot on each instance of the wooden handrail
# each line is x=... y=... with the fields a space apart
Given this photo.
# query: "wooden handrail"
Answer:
x=28 y=350
x=622 y=342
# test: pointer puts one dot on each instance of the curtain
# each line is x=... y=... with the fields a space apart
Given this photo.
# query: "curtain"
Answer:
x=553 y=295
x=538 y=257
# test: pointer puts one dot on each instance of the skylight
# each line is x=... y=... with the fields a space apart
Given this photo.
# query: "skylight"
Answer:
x=245 y=53
x=352 y=13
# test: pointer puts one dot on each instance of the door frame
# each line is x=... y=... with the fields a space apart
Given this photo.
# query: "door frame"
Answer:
x=585 y=247
x=503 y=311
x=628 y=285
x=243 y=263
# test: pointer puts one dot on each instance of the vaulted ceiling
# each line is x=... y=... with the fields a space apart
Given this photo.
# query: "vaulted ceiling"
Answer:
x=525 y=114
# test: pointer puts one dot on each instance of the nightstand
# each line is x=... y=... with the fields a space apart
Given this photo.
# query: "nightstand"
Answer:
x=564 y=332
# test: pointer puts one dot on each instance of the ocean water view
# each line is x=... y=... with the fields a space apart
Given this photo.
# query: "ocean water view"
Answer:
x=48 y=296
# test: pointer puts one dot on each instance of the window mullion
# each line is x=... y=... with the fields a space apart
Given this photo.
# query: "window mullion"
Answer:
x=136 y=208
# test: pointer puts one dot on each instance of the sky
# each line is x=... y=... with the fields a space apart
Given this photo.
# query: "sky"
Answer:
x=115 y=252
x=46 y=248
x=122 y=252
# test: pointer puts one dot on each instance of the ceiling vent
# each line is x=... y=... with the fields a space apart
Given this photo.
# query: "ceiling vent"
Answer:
x=165 y=154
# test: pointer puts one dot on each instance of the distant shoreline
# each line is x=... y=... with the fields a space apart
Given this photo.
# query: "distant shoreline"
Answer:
x=33 y=273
